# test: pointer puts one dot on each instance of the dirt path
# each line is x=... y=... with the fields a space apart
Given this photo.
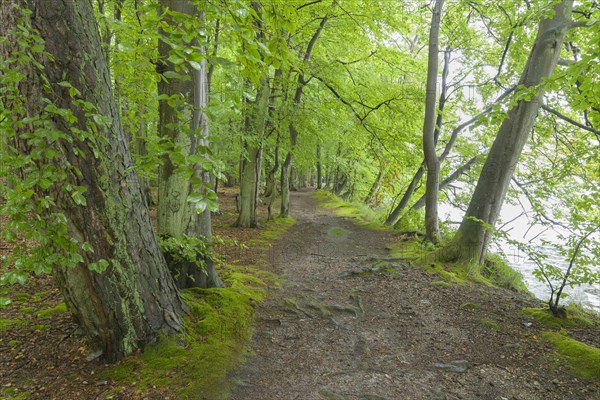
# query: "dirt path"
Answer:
x=329 y=334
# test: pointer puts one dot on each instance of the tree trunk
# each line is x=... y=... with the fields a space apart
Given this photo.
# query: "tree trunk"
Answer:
x=375 y=187
x=319 y=168
x=253 y=138
x=289 y=159
x=134 y=301
x=177 y=217
x=431 y=160
x=395 y=214
x=471 y=240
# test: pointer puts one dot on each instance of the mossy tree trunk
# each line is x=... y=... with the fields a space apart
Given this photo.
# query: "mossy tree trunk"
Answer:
x=134 y=301
x=470 y=243
x=177 y=216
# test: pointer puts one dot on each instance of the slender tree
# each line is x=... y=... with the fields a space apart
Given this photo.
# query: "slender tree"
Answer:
x=431 y=160
x=178 y=217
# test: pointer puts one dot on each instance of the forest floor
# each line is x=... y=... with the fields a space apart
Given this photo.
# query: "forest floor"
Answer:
x=347 y=322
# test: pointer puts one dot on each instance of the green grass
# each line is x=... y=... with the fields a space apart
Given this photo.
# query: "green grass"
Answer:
x=583 y=359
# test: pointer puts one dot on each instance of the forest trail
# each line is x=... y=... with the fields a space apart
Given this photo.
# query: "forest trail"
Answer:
x=330 y=334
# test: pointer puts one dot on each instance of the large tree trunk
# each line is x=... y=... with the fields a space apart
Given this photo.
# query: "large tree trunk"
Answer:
x=177 y=216
x=431 y=160
x=472 y=238
x=134 y=301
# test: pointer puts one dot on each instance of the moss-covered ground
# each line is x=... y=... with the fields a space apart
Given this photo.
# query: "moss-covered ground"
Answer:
x=195 y=364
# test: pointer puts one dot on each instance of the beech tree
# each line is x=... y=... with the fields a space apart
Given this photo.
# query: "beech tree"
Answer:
x=471 y=240
x=77 y=178
x=184 y=193
x=429 y=128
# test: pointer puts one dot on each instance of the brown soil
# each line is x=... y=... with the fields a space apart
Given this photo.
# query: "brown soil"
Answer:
x=325 y=334
x=330 y=334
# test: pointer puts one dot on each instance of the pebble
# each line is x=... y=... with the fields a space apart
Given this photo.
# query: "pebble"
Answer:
x=459 y=366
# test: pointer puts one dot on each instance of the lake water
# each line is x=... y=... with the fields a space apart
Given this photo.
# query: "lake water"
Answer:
x=522 y=230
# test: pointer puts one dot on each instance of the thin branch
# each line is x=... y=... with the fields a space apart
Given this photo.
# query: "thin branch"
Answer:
x=308 y=4
x=571 y=121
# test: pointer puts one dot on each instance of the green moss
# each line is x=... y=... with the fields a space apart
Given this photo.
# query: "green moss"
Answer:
x=490 y=323
x=576 y=316
x=409 y=250
x=497 y=271
x=19 y=297
x=469 y=306
x=440 y=283
x=583 y=359
x=60 y=308
x=11 y=393
x=14 y=343
x=41 y=328
x=277 y=227
x=361 y=213
x=27 y=309
x=545 y=317
x=214 y=341
x=40 y=296
x=6 y=324
x=336 y=232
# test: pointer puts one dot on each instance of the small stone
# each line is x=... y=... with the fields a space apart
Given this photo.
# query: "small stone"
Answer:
x=458 y=366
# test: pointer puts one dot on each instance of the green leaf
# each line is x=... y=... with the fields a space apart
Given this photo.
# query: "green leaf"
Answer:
x=99 y=266
x=196 y=65
x=78 y=197
x=5 y=301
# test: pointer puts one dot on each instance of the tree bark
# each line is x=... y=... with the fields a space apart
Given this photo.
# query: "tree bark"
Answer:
x=134 y=301
x=431 y=160
x=178 y=217
x=319 y=168
x=472 y=238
